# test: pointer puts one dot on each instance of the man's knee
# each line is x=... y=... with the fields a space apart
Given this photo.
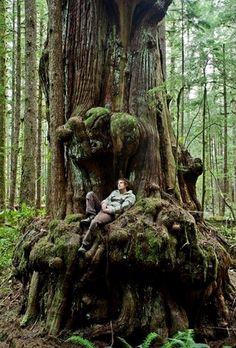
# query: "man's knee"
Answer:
x=90 y=194
x=94 y=223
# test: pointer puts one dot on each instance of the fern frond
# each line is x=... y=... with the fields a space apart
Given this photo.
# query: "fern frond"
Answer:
x=149 y=339
x=184 y=339
x=80 y=340
x=174 y=343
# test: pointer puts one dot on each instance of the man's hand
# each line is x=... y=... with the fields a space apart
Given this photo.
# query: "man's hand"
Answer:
x=104 y=206
x=105 y=209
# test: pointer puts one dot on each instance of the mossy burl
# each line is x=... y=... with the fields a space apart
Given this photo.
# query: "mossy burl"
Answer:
x=147 y=248
x=150 y=205
x=53 y=224
x=159 y=247
x=59 y=229
x=94 y=113
x=123 y=122
x=45 y=250
x=73 y=218
x=155 y=249
x=64 y=133
x=42 y=251
x=211 y=262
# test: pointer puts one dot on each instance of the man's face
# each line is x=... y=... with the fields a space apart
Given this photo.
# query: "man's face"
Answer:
x=121 y=185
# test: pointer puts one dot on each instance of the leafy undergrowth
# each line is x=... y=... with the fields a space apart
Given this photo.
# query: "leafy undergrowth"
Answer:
x=226 y=228
x=183 y=339
x=8 y=237
x=11 y=222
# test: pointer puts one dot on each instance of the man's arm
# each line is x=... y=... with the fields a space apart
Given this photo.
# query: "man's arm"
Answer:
x=105 y=202
x=128 y=202
x=125 y=205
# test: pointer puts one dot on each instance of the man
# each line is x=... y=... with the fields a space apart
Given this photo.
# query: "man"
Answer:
x=101 y=213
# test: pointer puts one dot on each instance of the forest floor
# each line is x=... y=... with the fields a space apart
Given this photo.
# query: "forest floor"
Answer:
x=12 y=335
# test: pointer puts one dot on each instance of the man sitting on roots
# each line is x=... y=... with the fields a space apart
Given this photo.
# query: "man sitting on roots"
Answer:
x=101 y=213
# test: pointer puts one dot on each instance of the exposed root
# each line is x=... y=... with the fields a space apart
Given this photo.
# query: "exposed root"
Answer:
x=124 y=325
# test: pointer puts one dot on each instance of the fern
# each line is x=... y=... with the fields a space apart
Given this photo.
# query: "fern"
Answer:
x=149 y=339
x=146 y=344
x=184 y=339
x=80 y=340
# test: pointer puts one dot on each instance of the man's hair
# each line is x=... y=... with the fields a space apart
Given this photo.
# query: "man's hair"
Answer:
x=126 y=181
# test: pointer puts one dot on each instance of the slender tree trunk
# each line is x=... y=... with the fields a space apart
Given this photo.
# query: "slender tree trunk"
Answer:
x=213 y=186
x=210 y=142
x=204 y=115
x=226 y=181
x=17 y=113
x=2 y=103
x=220 y=154
x=56 y=97
x=13 y=89
x=172 y=63
x=39 y=129
x=39 y=145
x=234 y=164
x=182 y=70
x=162 y=44
x=28 y=178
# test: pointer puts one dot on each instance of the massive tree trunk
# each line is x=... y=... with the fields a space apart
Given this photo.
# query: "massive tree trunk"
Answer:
x=158 y=267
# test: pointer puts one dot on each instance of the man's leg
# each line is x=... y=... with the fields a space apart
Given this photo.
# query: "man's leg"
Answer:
x=100 y=219
x=93 y=206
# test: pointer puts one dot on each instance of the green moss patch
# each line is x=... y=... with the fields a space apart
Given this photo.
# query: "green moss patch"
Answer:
x=150 y=205
x=94 y=113
x=122 y=122
x=73 y=218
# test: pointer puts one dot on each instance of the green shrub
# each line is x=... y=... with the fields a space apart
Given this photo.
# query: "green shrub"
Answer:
x=8 y=237
x=10 y=230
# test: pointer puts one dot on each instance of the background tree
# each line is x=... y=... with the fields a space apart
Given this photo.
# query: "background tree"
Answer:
x=28 y=178
x=13 y=88
x=39 y=124
x=3 y=73
x=56 y=109
x=16 y=111
x=203 y=35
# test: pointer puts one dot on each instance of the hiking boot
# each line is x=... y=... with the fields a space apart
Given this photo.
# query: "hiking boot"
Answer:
x=86 y=222
x=82 y=250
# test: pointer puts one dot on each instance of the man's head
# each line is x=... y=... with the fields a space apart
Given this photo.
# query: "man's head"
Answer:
x=122 y=184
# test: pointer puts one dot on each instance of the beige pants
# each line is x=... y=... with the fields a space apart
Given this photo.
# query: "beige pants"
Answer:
x=93 y=206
